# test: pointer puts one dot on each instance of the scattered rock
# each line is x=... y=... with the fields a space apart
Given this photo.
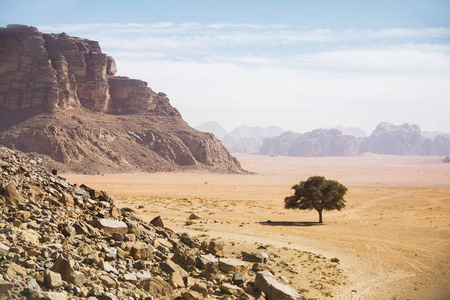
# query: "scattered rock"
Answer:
x=5 y=286
x=274 y=290
x=259 y=257
x=78 y=251
x=53 y=279
x=229 y=265
x=110 y=226
x=239 y=278
x=195 y=216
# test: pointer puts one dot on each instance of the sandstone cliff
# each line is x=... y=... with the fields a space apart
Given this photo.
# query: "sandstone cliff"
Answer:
x=59 y=96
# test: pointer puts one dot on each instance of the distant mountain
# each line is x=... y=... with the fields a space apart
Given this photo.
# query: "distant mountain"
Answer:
x=246 y=131
x=355 y=131
x=433 y=134
x=319 y=142
x=405 y=139
x=242 y=139
x=213 y=127
x=245 y=139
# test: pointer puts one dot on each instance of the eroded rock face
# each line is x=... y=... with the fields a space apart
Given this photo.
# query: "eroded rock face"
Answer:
x=59 y=96
x=57 y=70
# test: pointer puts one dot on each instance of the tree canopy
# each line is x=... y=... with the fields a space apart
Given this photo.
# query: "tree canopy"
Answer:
x=317 y=193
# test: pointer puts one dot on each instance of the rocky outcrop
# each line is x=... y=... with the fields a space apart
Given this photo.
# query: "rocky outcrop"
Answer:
x=87 y=248
x=59 y=96
x=405 y=139
x=319 y=142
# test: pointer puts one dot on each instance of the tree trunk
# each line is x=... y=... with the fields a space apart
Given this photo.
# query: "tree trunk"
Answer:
x=320 y=216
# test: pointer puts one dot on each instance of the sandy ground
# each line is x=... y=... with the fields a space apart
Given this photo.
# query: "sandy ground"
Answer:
x=392 y=240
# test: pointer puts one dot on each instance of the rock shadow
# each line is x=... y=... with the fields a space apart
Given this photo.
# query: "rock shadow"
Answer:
x=289 y=223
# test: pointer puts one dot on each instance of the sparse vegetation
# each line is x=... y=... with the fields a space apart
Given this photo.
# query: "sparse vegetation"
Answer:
x=317 y=193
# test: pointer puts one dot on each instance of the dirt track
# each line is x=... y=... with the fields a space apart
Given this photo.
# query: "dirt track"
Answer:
x=392 y=240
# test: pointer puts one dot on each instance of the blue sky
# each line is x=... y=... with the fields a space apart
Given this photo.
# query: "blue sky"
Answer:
x=300 y=65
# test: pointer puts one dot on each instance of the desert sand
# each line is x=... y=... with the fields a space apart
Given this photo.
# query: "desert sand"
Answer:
x=392 y=240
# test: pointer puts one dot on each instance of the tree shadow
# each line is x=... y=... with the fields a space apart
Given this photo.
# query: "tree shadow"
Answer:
x=288 y=223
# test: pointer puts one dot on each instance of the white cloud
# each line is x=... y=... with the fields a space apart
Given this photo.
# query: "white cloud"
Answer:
x=404 y=58
x=276 y=74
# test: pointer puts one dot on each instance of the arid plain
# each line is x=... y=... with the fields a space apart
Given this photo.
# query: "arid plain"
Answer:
x=392 y=240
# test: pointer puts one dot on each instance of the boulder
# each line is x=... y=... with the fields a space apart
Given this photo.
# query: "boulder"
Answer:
x=56 y=296
x=110 y=226
x=159 y=288
x=274 y=290
x=53 y=279
x=3 y=249
x=176 y=280
x=108 y=281
x=11 y=196
x=231 y=289
x=239 y=278
x=66 y=199
x=216 y=248
x=195 y=216
x=259 y=257
x=191 y=295
x=201 y=288
x=170 y=267
x=140 y=250
x=5 y=286
x=229 y=265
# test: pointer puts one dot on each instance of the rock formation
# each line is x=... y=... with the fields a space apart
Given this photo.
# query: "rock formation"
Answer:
x=214 y=128
x=319 y=142
x=63 y=241
x=242 y=139
x=405 y=139
x=245 y=139
x=59 y=96
x=387 y=138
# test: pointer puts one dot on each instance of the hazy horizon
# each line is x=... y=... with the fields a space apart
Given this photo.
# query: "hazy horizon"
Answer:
x=298 y=65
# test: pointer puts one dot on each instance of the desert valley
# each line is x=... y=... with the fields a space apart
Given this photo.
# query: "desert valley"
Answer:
x=392 y=240
x=106 y=192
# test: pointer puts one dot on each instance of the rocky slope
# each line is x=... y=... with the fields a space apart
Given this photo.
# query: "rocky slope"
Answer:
x=59 y=96
x=62 y=241
x=319 y=142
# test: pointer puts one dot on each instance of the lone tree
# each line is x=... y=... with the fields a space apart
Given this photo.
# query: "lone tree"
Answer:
x=318 y=193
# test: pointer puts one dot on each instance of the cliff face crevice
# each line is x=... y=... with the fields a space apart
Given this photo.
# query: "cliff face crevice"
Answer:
x=59 y=96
